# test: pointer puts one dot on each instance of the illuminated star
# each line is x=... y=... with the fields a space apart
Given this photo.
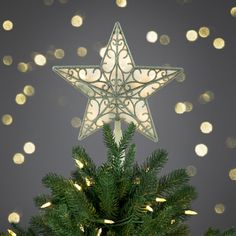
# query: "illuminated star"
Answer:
x=117 y=89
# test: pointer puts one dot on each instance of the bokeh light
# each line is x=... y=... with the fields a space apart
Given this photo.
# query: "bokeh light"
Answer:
x=82 y=51
x=191 y=170
x=18 y=158
x=201 y=150
x=22 y=67
x=14 y=217
x=20 y=99
x=7 y=119
x=206 y=97
x=204 y=32
x=188 y=106
x=231 y=142
x=164 y=39
x=181 y=77
x=232 y=174
x=7 y=25
x=77 y=21
x=219 y=43
x=40 y=59
x=233 y=11
x=76 y=122
x=11 y=233
x=29 y=90
x=121 y=3
x=151 y=36
x=59 y=53
x=219 y=208
x=48 y=2
x=191 y=35
x=206 y=127
x=29 y=148
x=180 y=108
x=7 y=60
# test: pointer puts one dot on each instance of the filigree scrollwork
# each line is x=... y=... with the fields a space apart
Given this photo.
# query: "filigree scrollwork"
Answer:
x=117 y=89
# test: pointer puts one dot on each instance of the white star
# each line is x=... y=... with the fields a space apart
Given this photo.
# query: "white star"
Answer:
x=117 y=89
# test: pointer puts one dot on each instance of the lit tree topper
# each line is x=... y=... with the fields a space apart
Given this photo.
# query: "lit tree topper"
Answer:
x=117 y=89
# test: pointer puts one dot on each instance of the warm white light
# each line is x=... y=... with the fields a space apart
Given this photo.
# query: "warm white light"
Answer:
x=219 y=43
x=11 y=233
x=201 y=150
x=40 y=60
x=45 y=205
x=7 y=25
x=78 y=187
x=18 y=158
x=152 y=36
x=148 y=208
x=99 y=232
x=77 y=21
x=191 y=35
x=190 y=212
x=108 y=221
x=206 y=127
x=79 y=163
x=14 y=217
x=29 y=148
x=121 y=3
x=159 y=199
x=88 y=182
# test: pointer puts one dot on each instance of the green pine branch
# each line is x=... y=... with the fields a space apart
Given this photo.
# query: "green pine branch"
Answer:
x=119 y=198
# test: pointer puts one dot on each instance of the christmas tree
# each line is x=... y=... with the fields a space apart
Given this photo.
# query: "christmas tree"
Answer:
x=120 y=197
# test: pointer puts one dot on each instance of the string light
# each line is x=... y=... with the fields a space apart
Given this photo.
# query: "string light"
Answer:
x=108 y=221
x=78 y=187
x=22 y=67
x=99 y=232
x=88 y=182
x=11 y=233
x=148 y=208
x=172 y=222
x=164 y=39
x=180 y=108
x=232 y=174
x=190 y=212
x=159 y=199
x=45 y=205
x=79 y=163
x=81 y=228
x=233 y=11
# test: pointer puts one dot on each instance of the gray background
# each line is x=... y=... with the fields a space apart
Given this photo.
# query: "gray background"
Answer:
x=47 y=124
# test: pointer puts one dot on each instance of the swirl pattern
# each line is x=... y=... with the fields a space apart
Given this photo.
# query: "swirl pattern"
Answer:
x=117 y=89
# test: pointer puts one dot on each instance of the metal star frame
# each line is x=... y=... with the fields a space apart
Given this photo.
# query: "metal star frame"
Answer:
x=117 y=89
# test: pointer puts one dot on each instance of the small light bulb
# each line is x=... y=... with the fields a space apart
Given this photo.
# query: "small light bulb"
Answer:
x=79 y=163
x=81 y=228
x=78 y=187
x=88 y=182
x=45 y=205
x=149 y=208
x=190 y=212
x=159 y=199
x=172 y=222
x=108 y=221
x=99 y=232
x=11 y=233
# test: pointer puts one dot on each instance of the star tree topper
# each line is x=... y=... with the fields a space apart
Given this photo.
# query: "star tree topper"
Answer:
x=117 y=89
